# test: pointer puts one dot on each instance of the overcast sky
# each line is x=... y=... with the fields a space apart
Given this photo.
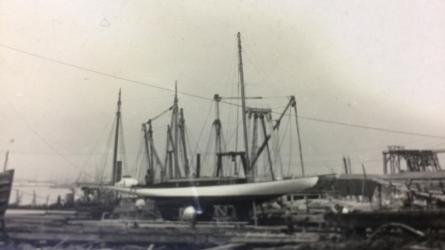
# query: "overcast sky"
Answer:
x=371 y=63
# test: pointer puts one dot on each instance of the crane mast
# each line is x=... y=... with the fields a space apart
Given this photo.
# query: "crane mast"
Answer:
x=115 y=177
x=243 y=108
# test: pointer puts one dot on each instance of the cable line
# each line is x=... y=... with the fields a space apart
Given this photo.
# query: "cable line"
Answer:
x=151 y=85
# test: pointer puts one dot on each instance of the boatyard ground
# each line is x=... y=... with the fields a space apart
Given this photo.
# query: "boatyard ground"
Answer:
x=66 y=230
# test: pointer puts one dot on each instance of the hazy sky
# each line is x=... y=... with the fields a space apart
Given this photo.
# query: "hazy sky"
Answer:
x=372 y=63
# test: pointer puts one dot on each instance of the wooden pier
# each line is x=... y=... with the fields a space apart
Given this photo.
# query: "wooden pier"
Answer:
x=52 y=228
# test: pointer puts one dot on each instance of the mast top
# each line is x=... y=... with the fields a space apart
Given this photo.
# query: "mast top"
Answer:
x=116 y=166
x=176 y=91
x=119 y=101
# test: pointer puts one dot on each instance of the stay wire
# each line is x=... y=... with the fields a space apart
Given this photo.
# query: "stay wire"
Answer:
x=151 y=85
x=39 y=136
x=121 y=78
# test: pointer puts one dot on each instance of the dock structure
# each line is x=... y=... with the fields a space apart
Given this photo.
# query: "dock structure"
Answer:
x=414 y=160
x=410 y=199
x=62 y=228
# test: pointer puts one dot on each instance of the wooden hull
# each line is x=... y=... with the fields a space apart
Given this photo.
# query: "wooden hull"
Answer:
x=6 y=179
x=255 y=189
x=170 y=199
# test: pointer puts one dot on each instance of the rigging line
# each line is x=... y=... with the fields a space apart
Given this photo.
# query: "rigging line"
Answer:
x=161 y=114
x=238 y=119
x=100 y=170
x=289 y=167
x=93 y=149
x=354 y=125
x=374 y=148
x=231 y=136
x=189 y=139
x=149 y=99
x=71 y=65
x=208 y=149
x=206 y=98
x=137 y=165
x=205 y=159
x=283 y=136
x=190 y=151
x=54 y=149
x=205 y=124
x=394 y=131
x=122 y=147
x=276 y=148
x=275 y=97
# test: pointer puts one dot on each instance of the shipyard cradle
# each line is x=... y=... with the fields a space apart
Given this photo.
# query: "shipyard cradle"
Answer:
x=174 y=186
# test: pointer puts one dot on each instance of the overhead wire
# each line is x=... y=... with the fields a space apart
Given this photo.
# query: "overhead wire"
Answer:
x=79 y=67
x=40 y=137
x=151 y=85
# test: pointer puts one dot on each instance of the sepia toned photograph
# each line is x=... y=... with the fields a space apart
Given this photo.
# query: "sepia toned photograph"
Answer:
x=217 y=125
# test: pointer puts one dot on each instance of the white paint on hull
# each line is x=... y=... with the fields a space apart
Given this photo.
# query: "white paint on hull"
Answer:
x=271 y=188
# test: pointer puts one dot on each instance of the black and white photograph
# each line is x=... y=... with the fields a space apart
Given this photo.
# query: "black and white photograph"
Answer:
x=217 y=125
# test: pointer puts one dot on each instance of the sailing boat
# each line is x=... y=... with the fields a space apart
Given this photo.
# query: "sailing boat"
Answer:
x=202 y=193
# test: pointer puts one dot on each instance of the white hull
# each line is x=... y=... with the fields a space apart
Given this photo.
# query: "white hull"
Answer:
x=256 y=189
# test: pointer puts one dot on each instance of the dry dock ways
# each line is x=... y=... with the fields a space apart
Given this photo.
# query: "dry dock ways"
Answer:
x=63 y=229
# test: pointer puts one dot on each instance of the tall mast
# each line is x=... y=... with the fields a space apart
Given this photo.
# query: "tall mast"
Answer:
x=184 y=144
x=300 y=149
x=217 y=125
x=147 y=147
x=175 y=132
x=116 y=139
x=5 y=165
x=243 y=107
